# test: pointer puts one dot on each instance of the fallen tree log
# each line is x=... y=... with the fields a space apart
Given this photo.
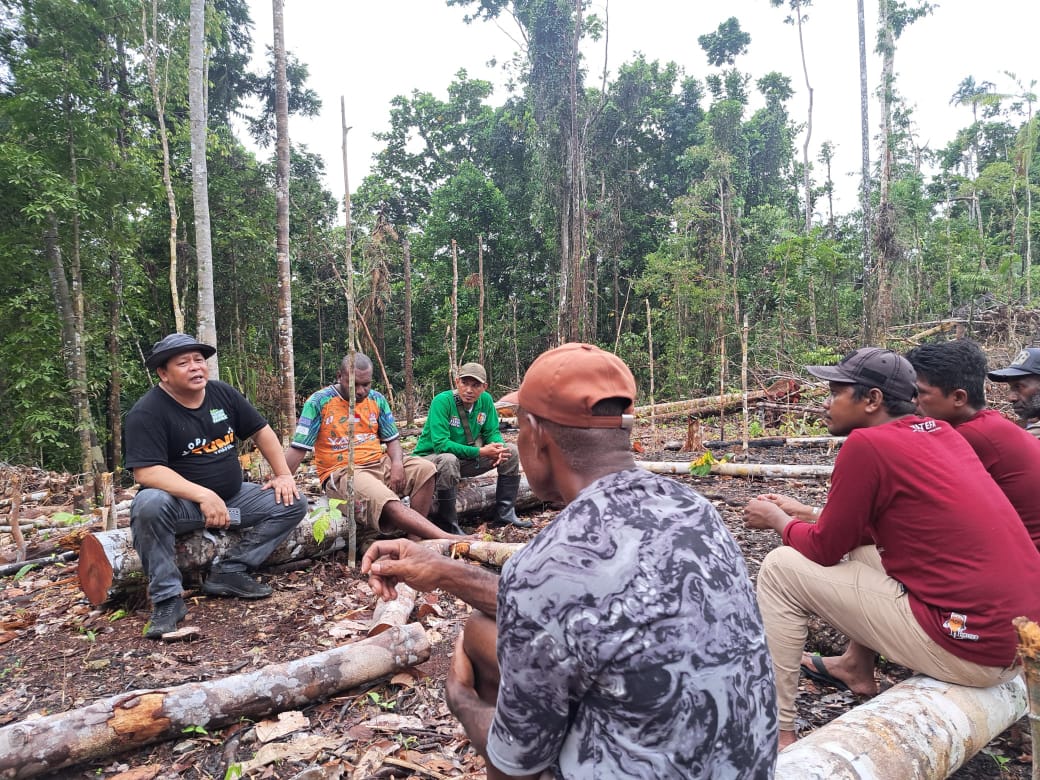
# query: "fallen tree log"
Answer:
x=493 y=553
x=712 y=404
x=920 y=729
x=778 y=441
x=739 y=469
x=8 y=569
x=131 y=720
x=108 y=563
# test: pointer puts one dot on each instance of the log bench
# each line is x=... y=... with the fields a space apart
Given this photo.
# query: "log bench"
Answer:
x=920 y=729
x=108 y=564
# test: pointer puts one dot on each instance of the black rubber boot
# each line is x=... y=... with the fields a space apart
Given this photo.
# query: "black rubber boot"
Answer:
x=447 y=518
x=505 y=502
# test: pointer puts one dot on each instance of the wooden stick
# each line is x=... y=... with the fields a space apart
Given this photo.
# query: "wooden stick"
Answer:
x=16 y=505
x=392 y=613
x=1029 y=652
x=8 y=569
x=493 y=553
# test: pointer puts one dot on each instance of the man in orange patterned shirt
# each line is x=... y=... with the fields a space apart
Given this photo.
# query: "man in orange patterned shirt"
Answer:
x=380 y=479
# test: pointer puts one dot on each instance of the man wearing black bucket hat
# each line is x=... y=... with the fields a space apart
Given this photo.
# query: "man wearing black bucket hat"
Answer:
x=917 y=554
x=181 y=439
x=1023 y=381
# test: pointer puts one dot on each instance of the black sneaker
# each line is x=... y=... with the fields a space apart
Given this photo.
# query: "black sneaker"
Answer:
x=235 y=583
x=165 y=617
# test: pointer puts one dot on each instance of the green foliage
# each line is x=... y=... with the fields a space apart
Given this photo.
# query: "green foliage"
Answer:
x=23 y=571
x=322 y=518
x=385 y=704
x=691 y=189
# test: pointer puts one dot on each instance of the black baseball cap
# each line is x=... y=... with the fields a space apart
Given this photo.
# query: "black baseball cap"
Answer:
x=174 y=344
x=1026 y=363
x=888 y=371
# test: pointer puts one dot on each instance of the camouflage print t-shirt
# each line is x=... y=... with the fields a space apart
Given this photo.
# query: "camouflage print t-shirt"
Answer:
x=630 y=643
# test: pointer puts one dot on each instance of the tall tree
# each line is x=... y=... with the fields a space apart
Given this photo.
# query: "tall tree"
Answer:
x=893 y=18
x=207 y=313
x=798 y=18
x=864 y=185
x=287 y=375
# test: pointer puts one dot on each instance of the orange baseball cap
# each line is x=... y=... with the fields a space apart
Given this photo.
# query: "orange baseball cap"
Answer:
x=563 y=384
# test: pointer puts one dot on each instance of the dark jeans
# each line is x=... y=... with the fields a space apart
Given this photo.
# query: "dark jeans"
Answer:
x=156 y=518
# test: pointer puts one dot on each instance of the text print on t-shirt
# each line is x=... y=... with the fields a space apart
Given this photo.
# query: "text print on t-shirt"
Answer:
x=206 y=447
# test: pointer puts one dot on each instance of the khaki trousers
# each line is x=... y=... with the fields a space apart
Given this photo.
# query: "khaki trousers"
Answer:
x=857 y=598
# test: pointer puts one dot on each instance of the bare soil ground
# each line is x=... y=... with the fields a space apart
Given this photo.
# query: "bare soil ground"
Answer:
x=57 y=652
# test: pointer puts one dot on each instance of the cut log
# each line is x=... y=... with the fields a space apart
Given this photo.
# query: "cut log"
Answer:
x=131 y=720
x=28 y=498
x=477 y=494
x=108 y=564
x=779 y=441
x=781 y=470
x=493 y=553
x=392 y=613
x=919 y=729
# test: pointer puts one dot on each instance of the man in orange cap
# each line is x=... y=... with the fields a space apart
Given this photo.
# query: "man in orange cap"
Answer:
x=628 y=641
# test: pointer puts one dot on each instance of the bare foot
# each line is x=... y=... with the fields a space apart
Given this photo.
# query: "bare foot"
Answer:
x=858 y=678
x=787 y=738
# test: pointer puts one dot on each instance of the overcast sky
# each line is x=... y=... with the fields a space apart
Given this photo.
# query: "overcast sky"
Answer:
x=368 y=51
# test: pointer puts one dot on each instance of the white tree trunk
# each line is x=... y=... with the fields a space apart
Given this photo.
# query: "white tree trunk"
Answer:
x=285 y=323
x=207 y=326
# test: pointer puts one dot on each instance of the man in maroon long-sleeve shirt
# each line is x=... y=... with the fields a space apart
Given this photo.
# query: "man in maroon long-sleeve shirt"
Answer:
x=951 y=378
x=950 y=567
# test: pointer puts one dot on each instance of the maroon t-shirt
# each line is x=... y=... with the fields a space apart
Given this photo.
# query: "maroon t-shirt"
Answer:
x=1012 y=457
x=943 y=527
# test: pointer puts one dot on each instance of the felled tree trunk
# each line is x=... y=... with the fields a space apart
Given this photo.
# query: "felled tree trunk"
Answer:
x=108 y=563
x=739 y=469
x=779 y=441
x=921 y=728
x=131 y=720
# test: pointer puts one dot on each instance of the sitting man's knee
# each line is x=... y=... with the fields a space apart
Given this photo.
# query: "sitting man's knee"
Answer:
x=149 y=503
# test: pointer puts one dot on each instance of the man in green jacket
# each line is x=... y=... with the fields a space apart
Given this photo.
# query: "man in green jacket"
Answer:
x=462 y=439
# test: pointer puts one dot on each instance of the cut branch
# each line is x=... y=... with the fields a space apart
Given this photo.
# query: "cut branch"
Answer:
x=493 y=553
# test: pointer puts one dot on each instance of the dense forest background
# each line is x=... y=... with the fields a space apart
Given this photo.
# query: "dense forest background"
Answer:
x=654 y=212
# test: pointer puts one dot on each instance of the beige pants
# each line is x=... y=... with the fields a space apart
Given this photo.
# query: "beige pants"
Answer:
x=371 y=486
x=857 y=598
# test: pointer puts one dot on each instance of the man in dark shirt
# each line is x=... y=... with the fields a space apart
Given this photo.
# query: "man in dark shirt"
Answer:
x=628 y=640
x=181 y=442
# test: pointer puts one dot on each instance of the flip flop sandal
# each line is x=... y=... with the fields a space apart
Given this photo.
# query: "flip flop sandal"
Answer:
x=818 y=673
